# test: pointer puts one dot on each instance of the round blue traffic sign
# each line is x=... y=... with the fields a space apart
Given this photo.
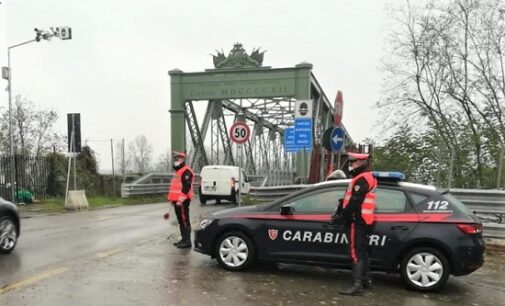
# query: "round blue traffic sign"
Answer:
x=337 y=139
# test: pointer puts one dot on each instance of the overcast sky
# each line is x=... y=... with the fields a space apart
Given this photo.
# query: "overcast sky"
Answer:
x=114 y=71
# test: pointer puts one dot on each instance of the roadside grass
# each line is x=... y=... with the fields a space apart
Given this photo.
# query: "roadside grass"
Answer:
x=57 y=205
x=249 y=200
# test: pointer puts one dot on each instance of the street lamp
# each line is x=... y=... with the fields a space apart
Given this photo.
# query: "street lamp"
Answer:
x=62 y=32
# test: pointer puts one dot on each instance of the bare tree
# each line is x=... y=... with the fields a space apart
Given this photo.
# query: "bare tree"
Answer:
x=445 y=72
x=123 y=161
x=164 y=163
x=140 y=152
x=32 y=130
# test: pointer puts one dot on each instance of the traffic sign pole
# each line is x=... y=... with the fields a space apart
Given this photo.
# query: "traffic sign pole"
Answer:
x=239 y=133
x=240 y=163
x=240 y=173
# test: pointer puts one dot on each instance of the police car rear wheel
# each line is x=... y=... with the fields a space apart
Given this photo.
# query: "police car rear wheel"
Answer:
x=235 y=251
x=425 y=269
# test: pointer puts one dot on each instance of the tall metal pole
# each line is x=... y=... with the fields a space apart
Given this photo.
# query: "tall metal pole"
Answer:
x=321 y=164
x=123 y=162
x=74 y=157
x=437 y=181
x=303 y=165
x=113 y=180
x=240 y=178
x=217 y=151
x=239 y=147
x=11 y=141
x=211 y=143
x=500 y=169
x=450 y=168
x=69 y=163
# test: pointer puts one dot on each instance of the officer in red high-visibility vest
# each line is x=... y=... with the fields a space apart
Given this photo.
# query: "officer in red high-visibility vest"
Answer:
x=358 y=208
x=180 y=194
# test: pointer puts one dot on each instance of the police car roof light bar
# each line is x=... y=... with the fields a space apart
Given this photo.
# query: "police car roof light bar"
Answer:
x=398 y=176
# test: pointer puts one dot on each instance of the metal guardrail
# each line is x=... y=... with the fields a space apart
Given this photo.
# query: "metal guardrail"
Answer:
x=488 y=205
x=493 y=230
x=158 y=183
x=269 y=194
x=152 y=183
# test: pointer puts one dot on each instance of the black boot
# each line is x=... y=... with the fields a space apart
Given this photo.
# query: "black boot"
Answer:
x=367 y=278
x=186 y=242
x=181 y=229
x=357 y=278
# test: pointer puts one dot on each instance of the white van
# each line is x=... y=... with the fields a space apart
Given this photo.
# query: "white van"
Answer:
x=221 y=183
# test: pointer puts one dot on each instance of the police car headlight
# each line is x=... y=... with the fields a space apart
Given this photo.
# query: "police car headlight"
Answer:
x=205 y=222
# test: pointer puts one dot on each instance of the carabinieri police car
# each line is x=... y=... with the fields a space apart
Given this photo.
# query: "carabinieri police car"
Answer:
x=421 y=232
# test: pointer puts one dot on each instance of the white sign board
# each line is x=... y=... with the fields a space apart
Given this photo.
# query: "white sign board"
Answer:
x=303 y=109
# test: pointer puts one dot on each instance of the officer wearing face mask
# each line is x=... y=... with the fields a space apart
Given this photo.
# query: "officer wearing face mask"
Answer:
x=180 y=195
x=358 y=208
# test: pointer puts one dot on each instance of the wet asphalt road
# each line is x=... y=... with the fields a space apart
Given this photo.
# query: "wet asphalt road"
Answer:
x=120 y=256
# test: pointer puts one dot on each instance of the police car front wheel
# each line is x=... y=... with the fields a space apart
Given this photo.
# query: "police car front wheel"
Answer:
x=235 y=251
x=425 y=269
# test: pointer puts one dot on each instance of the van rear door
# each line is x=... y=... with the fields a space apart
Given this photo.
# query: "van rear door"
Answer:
x=216 y=181
x=245 y=184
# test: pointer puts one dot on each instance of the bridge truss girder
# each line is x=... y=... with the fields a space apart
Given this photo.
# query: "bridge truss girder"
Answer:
x=266 y=114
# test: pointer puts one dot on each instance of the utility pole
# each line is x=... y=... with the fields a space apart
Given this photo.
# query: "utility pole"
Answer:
x=123 y=162
x=112 y=158
x=451 y=168
x=500 y=169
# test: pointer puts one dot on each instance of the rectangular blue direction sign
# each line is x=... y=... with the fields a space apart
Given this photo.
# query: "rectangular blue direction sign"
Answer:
x=303 y=132
x=289 y=140
x=292 y=149
x=289 y=137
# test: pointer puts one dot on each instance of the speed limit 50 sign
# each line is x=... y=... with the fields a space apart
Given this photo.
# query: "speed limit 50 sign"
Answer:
x=239 y=132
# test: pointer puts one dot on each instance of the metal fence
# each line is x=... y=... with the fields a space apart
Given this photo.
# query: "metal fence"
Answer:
x=30 y=173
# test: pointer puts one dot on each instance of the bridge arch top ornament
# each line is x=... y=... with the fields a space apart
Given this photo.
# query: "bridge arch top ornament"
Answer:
x=238 y=58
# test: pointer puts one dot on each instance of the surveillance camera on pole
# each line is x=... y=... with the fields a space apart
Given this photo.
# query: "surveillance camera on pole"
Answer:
x=38 y=34
x=42 y=34
x=63 y=33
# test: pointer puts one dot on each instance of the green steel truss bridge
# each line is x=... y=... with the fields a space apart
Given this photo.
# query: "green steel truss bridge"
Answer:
x=205 y=104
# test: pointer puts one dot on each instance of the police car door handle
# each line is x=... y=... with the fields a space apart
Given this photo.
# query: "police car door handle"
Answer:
x=332 y=225
x=399 y=228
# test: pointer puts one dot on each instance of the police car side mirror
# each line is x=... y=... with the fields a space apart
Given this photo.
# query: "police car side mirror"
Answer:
x=287 y=210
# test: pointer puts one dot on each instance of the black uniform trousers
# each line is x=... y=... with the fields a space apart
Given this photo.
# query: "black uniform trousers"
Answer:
x=182 y=213
x=358 y=232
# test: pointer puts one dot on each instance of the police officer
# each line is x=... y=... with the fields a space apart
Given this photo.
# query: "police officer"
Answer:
x=180 y=195
x=358 y=208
